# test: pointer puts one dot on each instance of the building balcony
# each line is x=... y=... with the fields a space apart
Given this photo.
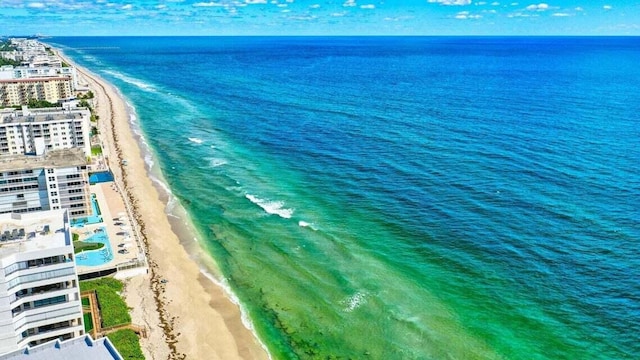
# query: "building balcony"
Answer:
x=46 y=315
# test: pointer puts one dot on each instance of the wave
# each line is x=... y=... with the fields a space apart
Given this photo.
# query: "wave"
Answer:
x=195 y=140
x=133 y=81
x=215 y=162
x=271 y=207
x=302 y=223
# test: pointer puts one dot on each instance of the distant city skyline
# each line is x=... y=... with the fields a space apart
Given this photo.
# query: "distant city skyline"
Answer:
x=319 y=17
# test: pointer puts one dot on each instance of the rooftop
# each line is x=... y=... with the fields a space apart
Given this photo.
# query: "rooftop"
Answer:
x=34 y=231
x=8 y=116
x=81 y=348
x=51 y=159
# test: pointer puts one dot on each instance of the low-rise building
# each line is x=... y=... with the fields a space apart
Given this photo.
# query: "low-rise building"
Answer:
x=39 y=290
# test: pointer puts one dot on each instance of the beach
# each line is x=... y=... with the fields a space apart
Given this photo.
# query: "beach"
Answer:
x=188 y=315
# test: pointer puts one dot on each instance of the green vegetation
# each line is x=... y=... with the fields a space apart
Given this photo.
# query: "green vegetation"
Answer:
x=88 y=95
x=88 y=322
x=114 y=312
x=75 y=237
x=94 y=131
x=96 y=150
x=34 y=104
x=126 y=341
x=80 y=246
x=112 y=307
x=84 y=103
x=4 y=61
x=6 y=46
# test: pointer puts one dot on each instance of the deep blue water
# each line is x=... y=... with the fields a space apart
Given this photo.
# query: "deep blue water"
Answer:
x=404 y=198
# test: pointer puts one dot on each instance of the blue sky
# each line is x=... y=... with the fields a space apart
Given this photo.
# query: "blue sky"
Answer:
x=319 y=17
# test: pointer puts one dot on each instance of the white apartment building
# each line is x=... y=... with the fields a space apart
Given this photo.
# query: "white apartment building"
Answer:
x=34 y=131
x=56 y=180
x=15 y=92
x=39 y=291
x=9 y=72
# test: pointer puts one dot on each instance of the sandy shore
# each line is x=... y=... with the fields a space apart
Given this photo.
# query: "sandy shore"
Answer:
x=189 y=317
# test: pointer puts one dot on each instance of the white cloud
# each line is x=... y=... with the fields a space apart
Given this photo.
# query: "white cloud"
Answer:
x=451 y=2
x=481 y=3
x=282 y=5
x=558 y=14
x=207 y=4
x=514 y=4
x=255 y=1
x=339 y=14
x=160 y=6
x=36 y=5
x=579 y=9
x=368 y=6
x=127 y=7
x=349 y=3
x=398 y=18
x=495 y=3
x=539 y=7
x=463 y=15
x=315 y=6
x=607 y=7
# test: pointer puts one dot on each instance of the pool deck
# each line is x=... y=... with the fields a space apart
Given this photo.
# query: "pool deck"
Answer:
x=115 y=217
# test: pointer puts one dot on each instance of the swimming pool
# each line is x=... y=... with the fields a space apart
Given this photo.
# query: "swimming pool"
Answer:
x=100 y=177
x=96 y=257
x=94 y=218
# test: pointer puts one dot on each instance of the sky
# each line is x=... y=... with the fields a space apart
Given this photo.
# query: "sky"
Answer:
x=318 y=17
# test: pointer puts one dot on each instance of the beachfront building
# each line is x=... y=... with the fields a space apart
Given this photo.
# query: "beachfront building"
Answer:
x=14 y=92
x=30 y=52
x=34 y=131
x=57 y=179
x=10 y=72
x=39 y=291
x=81 y=348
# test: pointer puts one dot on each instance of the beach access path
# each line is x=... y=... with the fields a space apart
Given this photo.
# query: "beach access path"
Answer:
x=188 y=316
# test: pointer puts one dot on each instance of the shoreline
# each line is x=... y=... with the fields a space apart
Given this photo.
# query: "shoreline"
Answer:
x=200 y=317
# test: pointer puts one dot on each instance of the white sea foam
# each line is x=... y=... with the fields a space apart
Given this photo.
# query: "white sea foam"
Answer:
x=133 y=81
x=215 y=162
x=148 y=159
x=354 y=301
x=306 y=224
x=195 y=140
x=271 y=207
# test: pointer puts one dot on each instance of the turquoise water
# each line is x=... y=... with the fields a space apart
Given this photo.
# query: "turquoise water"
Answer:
x=404 y=198
x=96 y=257
x=100 y=177
x=94 y=218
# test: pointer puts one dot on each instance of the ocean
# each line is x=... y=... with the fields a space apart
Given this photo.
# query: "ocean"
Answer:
x=402 y=197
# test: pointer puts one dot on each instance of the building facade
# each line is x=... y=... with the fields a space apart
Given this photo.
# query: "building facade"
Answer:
x=58 y=179
x=15 y=92
x=39 y=290
x=34 y=131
